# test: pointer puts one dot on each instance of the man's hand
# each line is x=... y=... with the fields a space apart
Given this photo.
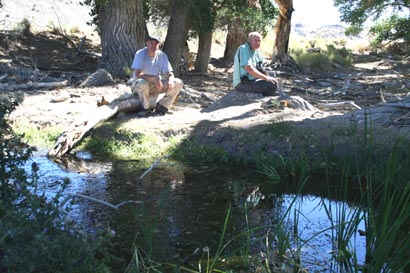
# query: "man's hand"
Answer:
x=271 y=79
x=158 y=84
x=257 y=74
x=171 y=82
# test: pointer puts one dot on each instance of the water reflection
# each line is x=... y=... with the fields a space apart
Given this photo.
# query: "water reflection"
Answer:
x=179 y=209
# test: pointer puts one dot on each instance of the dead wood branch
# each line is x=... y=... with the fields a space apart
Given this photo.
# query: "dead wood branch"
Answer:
x=59 y=99
x=207 y=98
x=47 y=85
x=338 y=104
x=156 y=163
x=3 y=78
x=79 y=47
x=81 y=51
x=69 y=139
x=99 y=201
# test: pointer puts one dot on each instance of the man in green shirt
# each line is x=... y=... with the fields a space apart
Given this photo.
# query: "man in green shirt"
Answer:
x=249 y=75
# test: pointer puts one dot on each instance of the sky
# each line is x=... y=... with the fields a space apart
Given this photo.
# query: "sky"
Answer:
x=315 y=13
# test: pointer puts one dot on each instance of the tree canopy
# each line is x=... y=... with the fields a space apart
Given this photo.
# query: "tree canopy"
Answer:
x=391 y=17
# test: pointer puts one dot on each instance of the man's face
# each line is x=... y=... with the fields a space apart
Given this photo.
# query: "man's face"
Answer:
x=152 y=45
x=255 y=42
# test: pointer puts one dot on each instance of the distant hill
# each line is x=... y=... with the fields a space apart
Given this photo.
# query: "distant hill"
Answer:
x=325 y=31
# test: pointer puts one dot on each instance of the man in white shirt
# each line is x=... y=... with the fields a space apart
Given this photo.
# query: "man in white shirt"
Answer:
x=153 y=74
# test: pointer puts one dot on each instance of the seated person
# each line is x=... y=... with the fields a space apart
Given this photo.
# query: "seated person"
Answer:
x=248 y=74
x=153 y=74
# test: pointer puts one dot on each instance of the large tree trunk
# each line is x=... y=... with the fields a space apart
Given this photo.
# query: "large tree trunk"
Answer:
x=123 y=30
x=236 y=36
x=282 y=30
x=177 y=34
x=204 y=51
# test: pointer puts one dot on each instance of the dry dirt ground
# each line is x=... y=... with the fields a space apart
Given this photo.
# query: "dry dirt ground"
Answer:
x=50 y=57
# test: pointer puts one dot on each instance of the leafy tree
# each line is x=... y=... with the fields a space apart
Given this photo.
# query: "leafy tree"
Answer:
x=242 y=17
x=358 y=12
x=157 y=11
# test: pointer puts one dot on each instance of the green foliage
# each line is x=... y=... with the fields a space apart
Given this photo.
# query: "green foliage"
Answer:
x=353 y=30
x=13 y=154
x=35 y=235
x=311 y=61
x=95 y=6
x=203 y=15
x=323 y=60
x=251 y=19
x=156 y=10
x=391 y=29
x=190 y=151
x=358 y=12
x=42 y=139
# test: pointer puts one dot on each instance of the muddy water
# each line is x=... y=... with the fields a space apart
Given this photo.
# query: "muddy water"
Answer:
x=176 y=209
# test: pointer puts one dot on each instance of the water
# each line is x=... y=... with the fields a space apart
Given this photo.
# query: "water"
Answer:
x=177 y=209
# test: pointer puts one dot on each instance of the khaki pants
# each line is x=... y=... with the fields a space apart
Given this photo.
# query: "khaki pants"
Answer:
x=148 y=94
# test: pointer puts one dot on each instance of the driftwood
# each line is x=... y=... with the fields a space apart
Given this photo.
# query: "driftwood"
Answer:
x=48 y=85
x=338 y=104
x=81 y=51
x=96 y=200
x=390 y=114
x=79 y=47
x=68 y=139
x=156 y=163
x=3 y=78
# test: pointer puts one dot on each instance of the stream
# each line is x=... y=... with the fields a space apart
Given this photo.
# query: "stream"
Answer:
x=176 y=213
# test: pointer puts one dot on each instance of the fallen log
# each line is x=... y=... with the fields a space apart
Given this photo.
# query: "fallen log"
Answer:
x=339 y=104
x=70 y=138
x=48 y=85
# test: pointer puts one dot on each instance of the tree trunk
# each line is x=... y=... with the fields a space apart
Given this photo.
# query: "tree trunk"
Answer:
x=236 y=36
x=204 y=51
x=123 y=30
x=177 y=34
x=282 y=30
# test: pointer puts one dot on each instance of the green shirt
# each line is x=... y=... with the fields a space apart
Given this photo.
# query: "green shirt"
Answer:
x=244 y=56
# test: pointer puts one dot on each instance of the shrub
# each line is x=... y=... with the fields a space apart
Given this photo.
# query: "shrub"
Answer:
x=34 y=236
x=323 y=60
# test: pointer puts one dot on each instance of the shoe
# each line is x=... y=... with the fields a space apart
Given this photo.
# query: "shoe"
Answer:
x=144 y=113
x=160 y=110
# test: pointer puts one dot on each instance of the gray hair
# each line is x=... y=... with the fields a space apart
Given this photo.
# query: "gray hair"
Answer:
x=254 y=34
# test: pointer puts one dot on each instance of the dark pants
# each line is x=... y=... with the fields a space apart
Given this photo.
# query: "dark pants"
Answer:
x=257 y=86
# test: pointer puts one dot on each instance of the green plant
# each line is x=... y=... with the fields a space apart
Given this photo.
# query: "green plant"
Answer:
x=322 y=60
x=34 y=233
x=387 y=200
x=40 y=138
x=191 y=151
x=24 y=27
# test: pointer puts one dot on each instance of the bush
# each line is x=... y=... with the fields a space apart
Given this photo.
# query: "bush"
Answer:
x=322 y=60
x=34 y=236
